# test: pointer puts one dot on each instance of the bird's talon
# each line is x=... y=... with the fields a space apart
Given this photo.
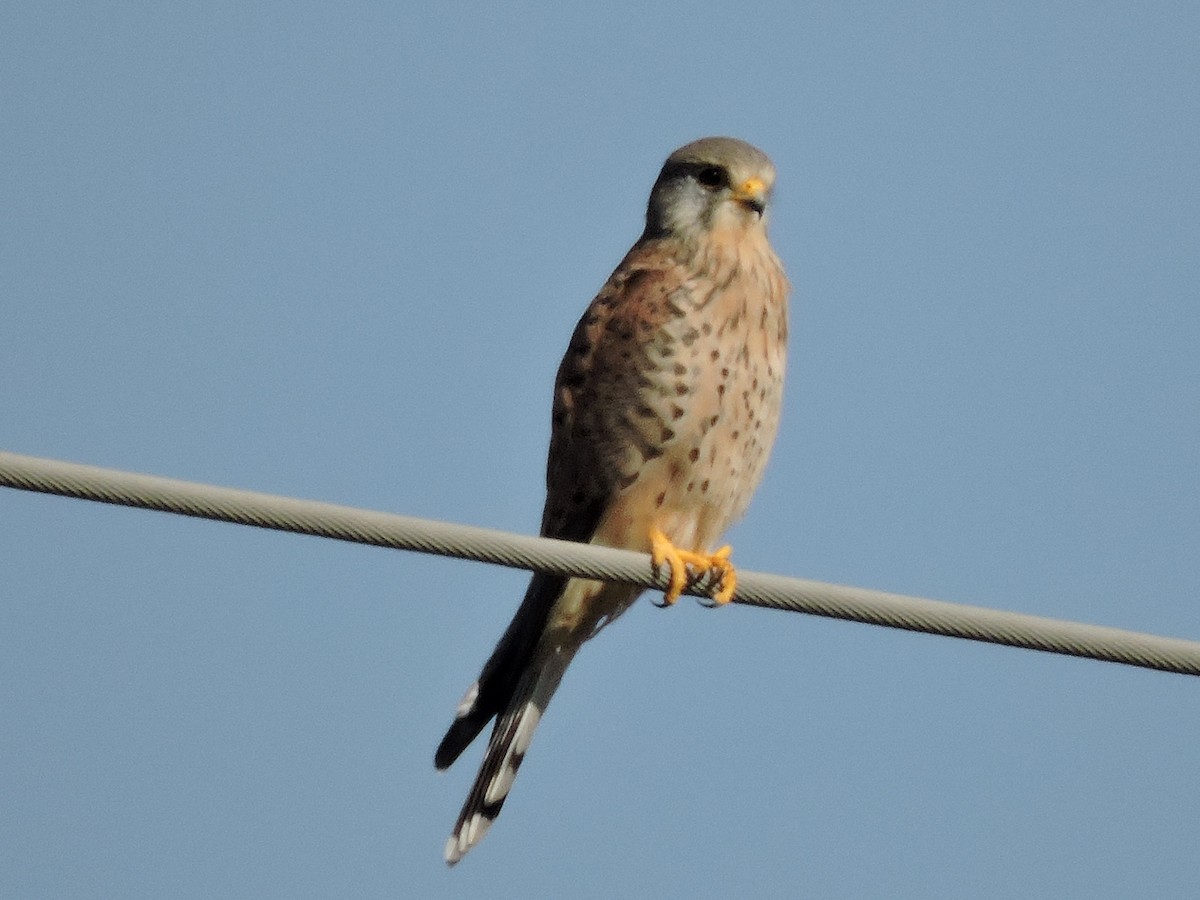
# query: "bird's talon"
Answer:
x=728 y=584
x=714 y=567
x=664 y=553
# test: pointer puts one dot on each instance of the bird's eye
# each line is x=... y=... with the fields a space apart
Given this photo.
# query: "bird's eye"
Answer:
x=711 y=176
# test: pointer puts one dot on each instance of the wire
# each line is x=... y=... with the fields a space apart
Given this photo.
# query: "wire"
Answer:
x=603 y=563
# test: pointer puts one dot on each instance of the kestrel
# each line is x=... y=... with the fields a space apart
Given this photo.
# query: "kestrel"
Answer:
x=665 y=409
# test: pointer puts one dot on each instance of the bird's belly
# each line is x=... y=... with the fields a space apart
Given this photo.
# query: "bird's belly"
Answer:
x=704 y=477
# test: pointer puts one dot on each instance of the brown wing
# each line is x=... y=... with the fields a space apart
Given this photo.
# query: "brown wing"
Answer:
x=595 y=402
x=602 y=427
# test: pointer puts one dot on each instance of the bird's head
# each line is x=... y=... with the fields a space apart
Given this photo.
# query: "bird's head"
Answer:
x=713 y=184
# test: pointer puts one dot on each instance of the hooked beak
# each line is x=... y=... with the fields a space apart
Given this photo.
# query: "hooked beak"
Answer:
x=752 y=194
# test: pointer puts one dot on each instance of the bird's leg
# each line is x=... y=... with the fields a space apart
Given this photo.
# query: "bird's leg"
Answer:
x=663 y=552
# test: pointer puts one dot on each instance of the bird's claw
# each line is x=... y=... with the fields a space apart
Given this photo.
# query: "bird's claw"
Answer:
x=722 y=575
x=713 y=568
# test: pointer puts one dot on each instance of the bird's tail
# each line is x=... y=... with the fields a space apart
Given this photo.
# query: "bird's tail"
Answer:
x=506 y=749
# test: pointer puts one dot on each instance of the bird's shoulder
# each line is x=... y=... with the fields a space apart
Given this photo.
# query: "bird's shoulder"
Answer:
x=635 y=300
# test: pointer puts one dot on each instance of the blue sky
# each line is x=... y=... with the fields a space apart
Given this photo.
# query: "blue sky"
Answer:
x=336 y=251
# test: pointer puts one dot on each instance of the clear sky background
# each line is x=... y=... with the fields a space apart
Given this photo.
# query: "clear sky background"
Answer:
x=336 y=251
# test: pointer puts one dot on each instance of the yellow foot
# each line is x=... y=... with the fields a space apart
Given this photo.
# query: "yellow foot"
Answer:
x=715 y=565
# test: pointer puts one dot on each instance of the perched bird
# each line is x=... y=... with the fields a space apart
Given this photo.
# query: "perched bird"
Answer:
x=665 y=409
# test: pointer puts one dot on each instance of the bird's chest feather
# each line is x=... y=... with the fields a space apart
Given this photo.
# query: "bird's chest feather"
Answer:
x=697 y=431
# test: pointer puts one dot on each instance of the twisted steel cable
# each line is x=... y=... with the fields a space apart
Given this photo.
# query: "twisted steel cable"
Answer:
x=565 y=558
